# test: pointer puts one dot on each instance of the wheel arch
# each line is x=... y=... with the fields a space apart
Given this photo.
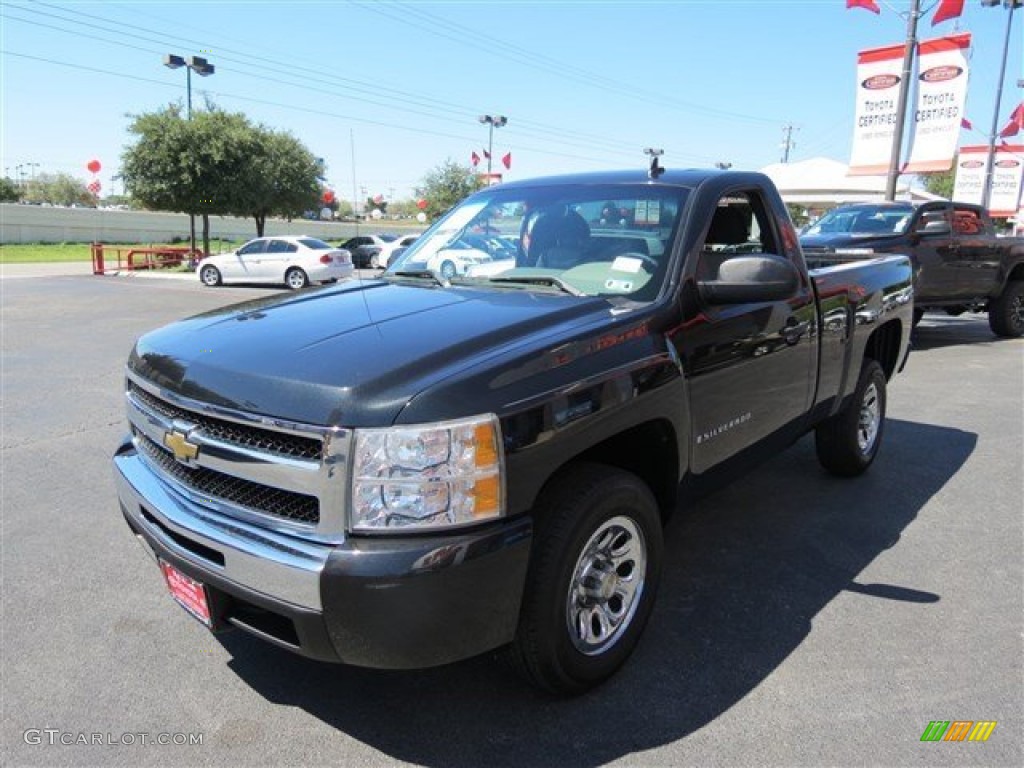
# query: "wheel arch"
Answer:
x=883 y=345
x=648 y=450
x=1017 y=273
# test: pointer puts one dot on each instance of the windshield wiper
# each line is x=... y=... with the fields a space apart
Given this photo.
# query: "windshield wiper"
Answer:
x=551 y=280
x=424 y=273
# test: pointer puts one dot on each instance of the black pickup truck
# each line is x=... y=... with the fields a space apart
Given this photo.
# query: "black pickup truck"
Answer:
x=410 y=470
x=960 y=264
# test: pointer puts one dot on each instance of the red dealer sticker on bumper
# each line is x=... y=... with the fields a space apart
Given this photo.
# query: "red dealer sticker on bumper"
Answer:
x=189 y=593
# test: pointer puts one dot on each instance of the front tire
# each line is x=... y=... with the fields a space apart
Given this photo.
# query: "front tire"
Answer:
x=848 y=442
x=1006 y=312
x=210 y=276
x=296 y=279
x=592 y=580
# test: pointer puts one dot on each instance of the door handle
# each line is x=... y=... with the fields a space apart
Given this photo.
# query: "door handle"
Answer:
x=794 y=330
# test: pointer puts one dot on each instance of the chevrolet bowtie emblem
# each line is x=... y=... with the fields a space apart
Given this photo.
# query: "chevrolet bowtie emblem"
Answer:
x=183 y=450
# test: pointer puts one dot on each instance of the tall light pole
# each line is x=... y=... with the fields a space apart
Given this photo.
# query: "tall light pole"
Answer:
x=203 y=68
x=901 y=101
x=492 y=122
x=986 y=189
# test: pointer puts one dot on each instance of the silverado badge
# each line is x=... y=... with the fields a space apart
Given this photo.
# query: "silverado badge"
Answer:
x=183 y=450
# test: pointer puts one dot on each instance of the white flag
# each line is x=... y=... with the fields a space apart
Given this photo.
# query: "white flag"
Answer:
x=939 y=105
x=878 y=86
x=1007 y=173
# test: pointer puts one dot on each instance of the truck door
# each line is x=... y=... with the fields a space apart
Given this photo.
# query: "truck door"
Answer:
x=750 y=367
x=937 y=258
x=978 y=251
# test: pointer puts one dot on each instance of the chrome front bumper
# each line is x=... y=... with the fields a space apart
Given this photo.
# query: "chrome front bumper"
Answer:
x=256 y=558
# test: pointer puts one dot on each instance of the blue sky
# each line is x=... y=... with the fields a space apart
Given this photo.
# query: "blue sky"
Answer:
x=585 y=85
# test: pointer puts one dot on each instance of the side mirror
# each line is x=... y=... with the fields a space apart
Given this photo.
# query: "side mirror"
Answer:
x=935 y=227
x=750 y=279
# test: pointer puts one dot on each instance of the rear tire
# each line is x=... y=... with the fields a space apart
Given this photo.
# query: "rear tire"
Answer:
x=848 y=442
x=296 y=279
x=447 y=269
x=1006 y=312
x=210 y=276
x=593 y=577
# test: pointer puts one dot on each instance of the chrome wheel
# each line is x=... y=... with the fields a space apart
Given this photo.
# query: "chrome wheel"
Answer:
x=869 y=419
x=1017 y=313
x=210 y=276
x=606 y=586
x=296 y=279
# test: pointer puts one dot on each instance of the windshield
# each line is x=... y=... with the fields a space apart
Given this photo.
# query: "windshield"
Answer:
x=863 y=220
x=589 y=240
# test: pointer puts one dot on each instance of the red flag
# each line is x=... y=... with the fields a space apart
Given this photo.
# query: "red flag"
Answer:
x=948 y=9
x=486 y=153
x=1016 y=124
x=965 y=123
x=475 y=159
x=507 y=160
x=868 y=5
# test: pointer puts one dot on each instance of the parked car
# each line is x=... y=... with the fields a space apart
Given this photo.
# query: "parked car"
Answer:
x=409 y=471
x=389 y=251
x=366 y=249
x=294 y=261
x=960 y=264
x=469 y=252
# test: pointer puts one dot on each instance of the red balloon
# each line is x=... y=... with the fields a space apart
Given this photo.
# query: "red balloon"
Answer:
x=94 y=166
x=421 y=204
x=328 y=196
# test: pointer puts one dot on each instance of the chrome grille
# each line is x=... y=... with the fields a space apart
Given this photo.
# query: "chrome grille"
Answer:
x=253 y=438
x=288 y=476
x=245 y=493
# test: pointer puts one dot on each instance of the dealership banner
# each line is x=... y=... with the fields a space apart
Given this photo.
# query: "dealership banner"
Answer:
x=939 y=103
x=879 y=71
x=1007 y=173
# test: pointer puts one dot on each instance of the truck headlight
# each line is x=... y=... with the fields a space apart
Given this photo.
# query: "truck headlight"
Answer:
x=855 y=251
x=427 y=476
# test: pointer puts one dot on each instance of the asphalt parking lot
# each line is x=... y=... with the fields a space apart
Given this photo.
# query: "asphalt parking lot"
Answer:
x=803 y=620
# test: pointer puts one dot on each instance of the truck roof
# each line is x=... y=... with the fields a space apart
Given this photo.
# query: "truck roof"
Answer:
x=689 y=177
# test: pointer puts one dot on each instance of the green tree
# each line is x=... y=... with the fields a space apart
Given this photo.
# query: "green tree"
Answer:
x=940 y=183
x=282 y=179
x=9 y=192
x=446 y=185
x=404 y=209
x=798 y=214
x=219 y=163
x=57 y=189
x=372 y=204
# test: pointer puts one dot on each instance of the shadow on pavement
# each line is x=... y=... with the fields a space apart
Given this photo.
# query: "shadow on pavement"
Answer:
x=746 y=572
x=937 y=331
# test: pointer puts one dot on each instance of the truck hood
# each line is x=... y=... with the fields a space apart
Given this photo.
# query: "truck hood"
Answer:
x=351 y=355
x=832 y=240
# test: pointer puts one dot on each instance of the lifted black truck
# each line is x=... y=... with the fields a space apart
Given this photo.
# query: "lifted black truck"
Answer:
x=960 y=265
x=410 y=470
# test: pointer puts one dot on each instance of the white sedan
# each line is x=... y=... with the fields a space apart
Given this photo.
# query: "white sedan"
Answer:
x=294 y=261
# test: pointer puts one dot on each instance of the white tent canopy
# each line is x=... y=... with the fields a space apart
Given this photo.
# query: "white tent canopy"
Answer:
x=822 y=182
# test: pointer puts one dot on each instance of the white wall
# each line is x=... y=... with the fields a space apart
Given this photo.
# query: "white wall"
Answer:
x=37 y=224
